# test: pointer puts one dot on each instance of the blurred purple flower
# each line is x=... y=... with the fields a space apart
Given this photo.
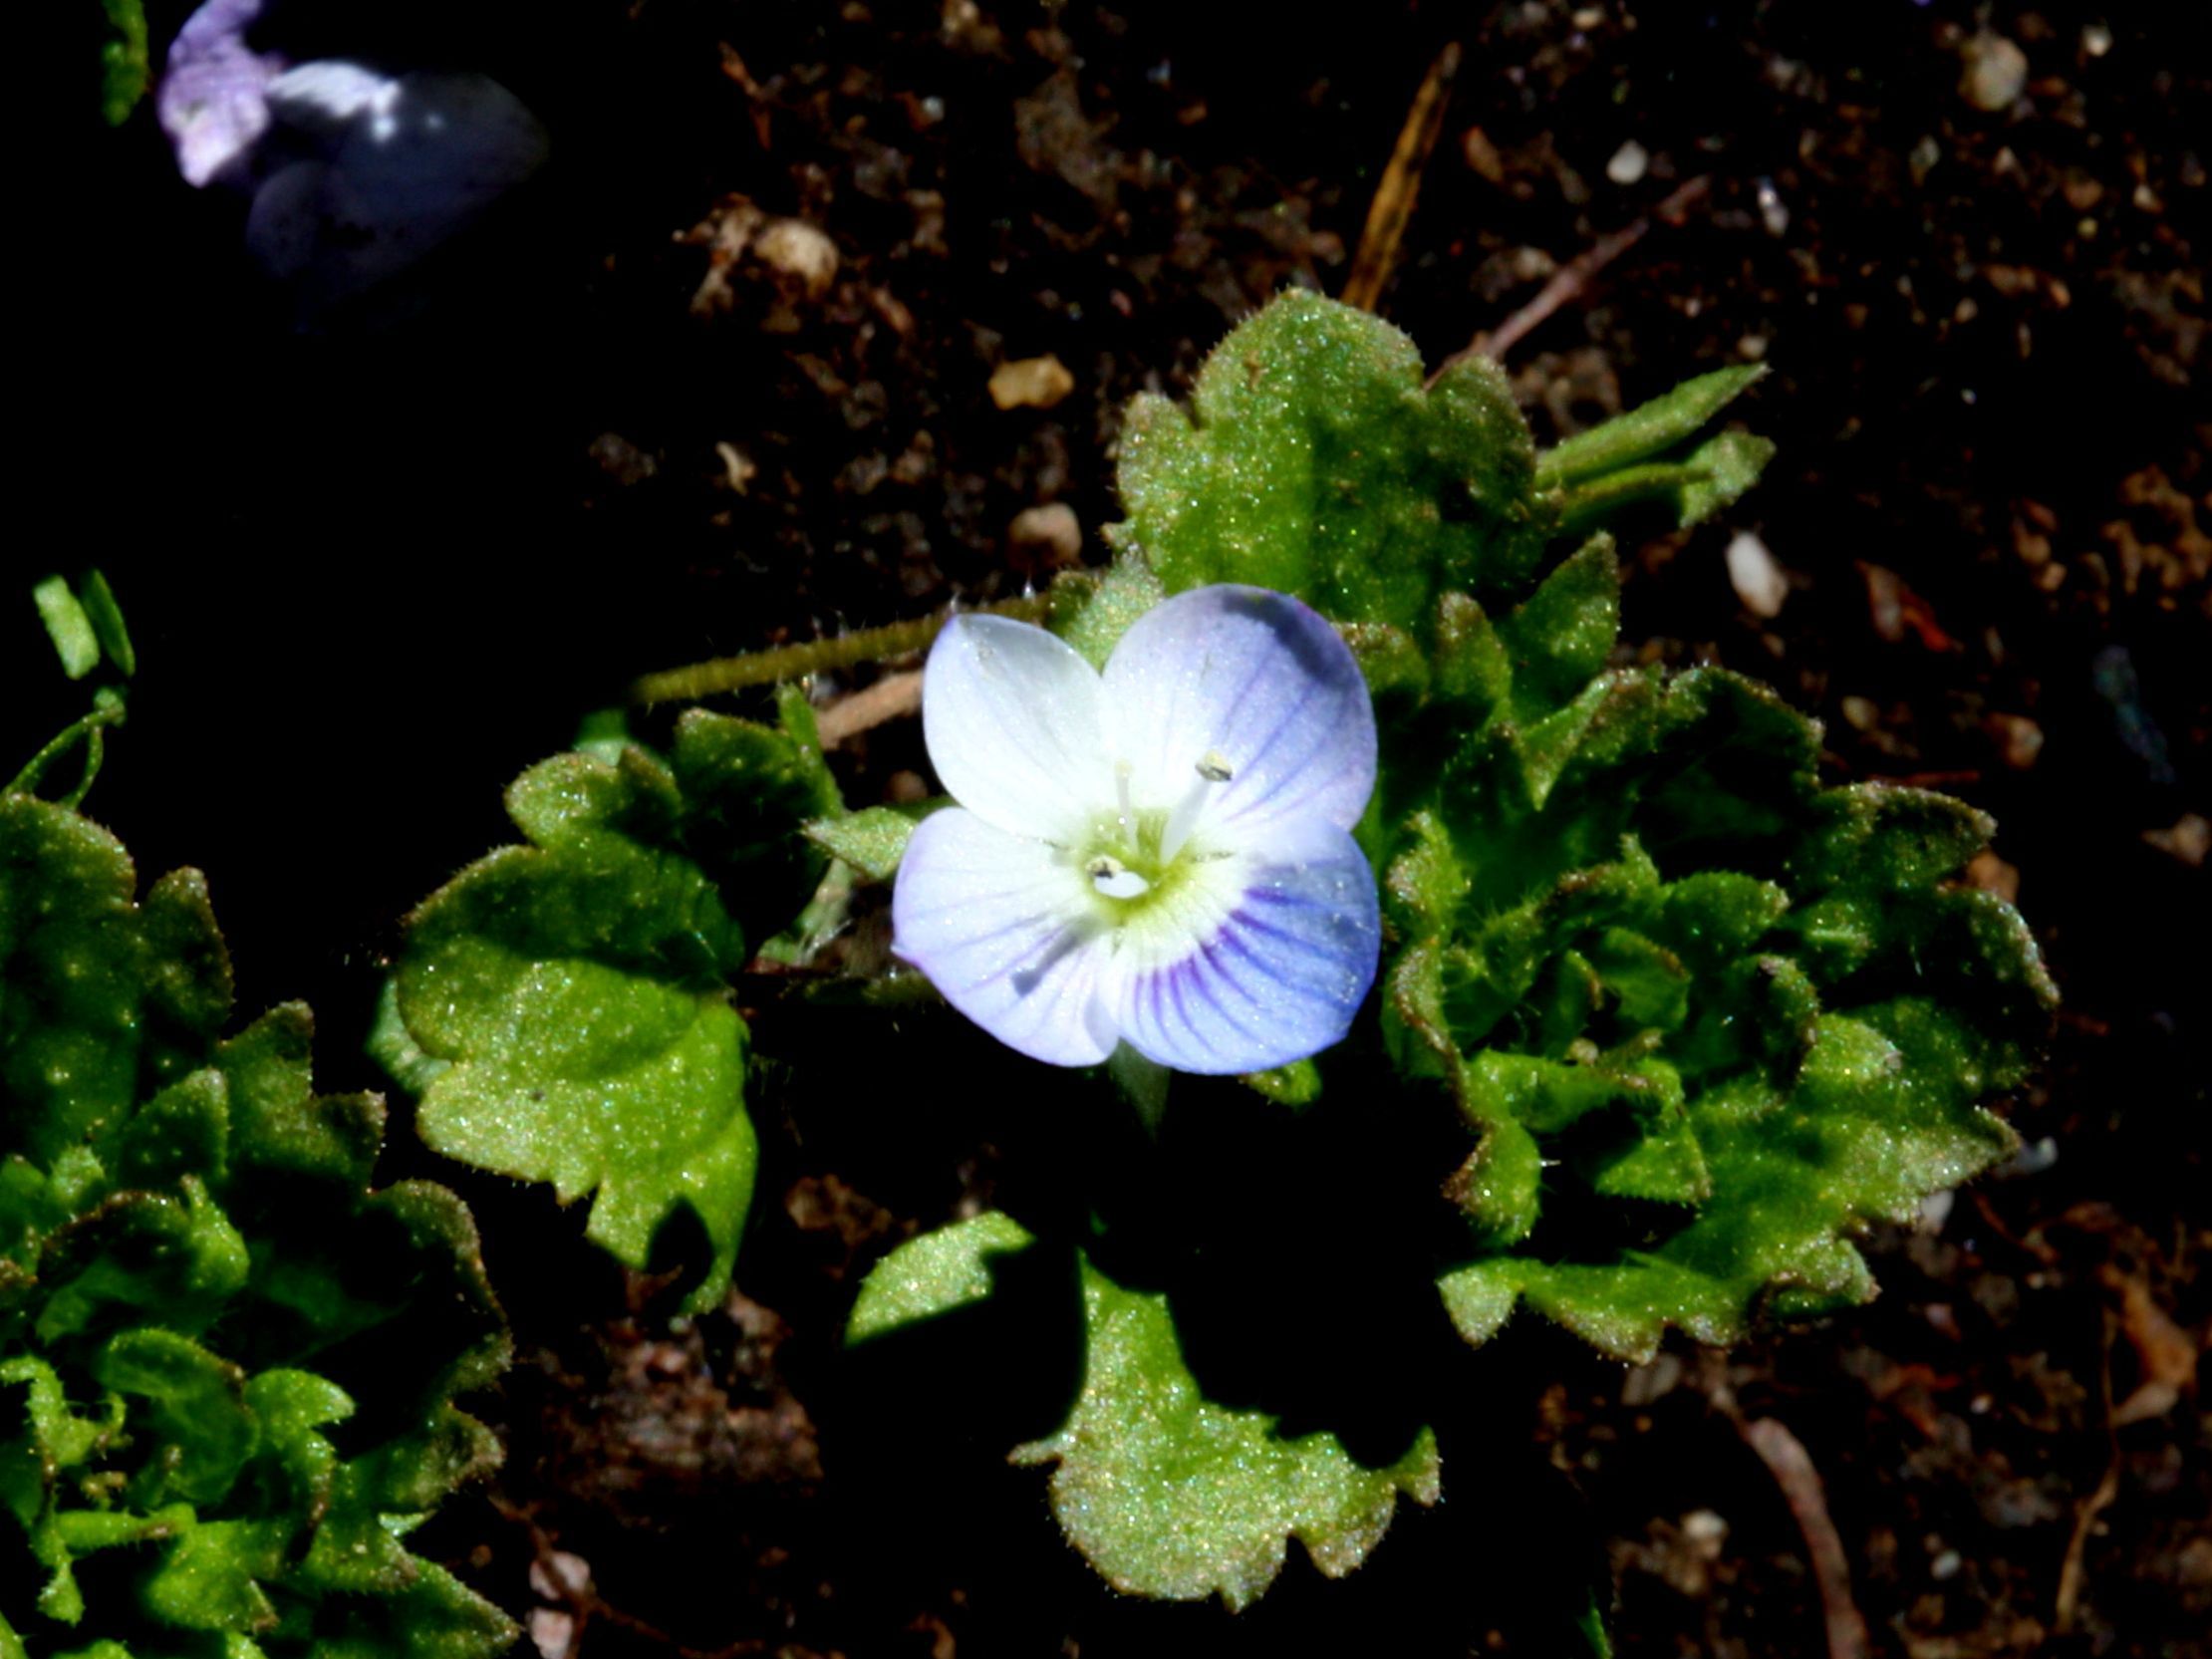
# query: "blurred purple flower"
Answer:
x=355 y=174
x=214 y=102
x=1159 y=855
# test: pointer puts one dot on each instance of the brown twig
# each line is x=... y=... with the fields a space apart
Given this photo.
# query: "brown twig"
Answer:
x=1392 y=209
x=892 y=698
x=583 y=1605
x=1791 y=1467
x=2073 y=1570
x=1574 y=276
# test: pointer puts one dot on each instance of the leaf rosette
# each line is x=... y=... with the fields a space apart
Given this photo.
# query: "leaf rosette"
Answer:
x=1687 y=1021
x=228 y=1366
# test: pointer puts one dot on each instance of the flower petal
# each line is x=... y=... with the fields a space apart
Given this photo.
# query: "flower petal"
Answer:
x=1279 y=976
x=1003 y=926
x=1253 y=679
x=1011 y=716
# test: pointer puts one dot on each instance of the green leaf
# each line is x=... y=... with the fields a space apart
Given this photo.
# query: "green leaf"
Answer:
x=1729 y=465
x=191 y=1418
x=283 y=1129
x=1128 y=590
x=937 y=1273
x=1645 y=430
x=1313 y=461
x=106 y=617
x=747 y=790
x=574 y=987
x=187 y=1226
x=1731 y=1016
x=141 y=1254
x=392 y=1046
x=1558 y=642
x=67 y=624
x=106 y=1000
x=873 y=840
x=1296 y=1085
x=126 y=62
x=1172 y=1496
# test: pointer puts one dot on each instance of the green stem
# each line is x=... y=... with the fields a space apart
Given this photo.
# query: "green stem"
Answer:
x=1592 y=1628
x=867 y=645
x=91 y=731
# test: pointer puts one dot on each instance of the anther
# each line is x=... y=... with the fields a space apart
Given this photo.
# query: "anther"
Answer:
x=1213 y=766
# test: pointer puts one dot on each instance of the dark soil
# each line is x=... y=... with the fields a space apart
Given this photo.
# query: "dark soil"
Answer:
x=376 y=572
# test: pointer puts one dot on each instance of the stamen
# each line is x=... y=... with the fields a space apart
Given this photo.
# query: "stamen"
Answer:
x=1212 y=768
x=1122 y=771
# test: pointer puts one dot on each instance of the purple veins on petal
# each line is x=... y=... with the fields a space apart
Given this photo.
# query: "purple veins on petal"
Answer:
x=1279 y=977
x=1005 y=932
x=1159 y=854
x=1263 y=680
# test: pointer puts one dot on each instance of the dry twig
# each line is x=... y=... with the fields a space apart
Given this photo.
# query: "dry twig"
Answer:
x=892 y=698
x=1791 y=1467
x=1574 y=276
x=1392 y=209
x=2073 y=1570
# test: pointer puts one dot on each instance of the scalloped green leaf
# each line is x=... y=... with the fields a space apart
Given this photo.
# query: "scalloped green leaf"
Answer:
x=1172 y=1496
x=106 y=999
x=564 y=1004
x=934 y=1274
x=1313 y=461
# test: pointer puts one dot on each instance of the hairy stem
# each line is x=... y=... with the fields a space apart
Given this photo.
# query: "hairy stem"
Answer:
x=867 y=645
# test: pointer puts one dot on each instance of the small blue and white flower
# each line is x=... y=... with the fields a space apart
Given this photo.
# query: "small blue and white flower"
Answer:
x=1160 y=854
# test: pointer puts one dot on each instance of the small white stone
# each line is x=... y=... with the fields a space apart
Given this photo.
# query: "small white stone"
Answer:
x=1774 y=213
x=799 y=250
x=1758 y=582
x=1032 y=383
x=1996 y=73
x=1053 y=527
x=1629 y=164
x=1704 y=1528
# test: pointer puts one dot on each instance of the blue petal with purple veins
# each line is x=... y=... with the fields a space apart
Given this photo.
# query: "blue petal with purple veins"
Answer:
x=1159 y=854
x=1283 y=973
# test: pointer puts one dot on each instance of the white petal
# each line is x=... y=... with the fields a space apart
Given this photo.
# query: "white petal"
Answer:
x=1251 y=679
x=325 y=96
x=1004 y=928
x=1278 y=977
x=1012 y=718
